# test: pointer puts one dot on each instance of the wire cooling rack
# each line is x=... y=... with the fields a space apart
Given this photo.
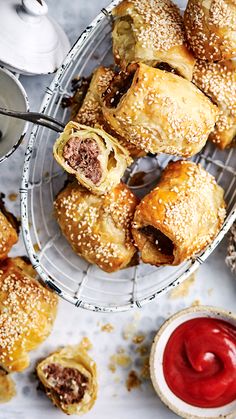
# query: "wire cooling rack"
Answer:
x=59 y=267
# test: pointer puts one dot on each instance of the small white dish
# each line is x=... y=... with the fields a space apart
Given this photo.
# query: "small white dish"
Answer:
x=13 y=97
x=181 y=408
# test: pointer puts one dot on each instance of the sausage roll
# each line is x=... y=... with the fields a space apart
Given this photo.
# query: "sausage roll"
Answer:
x=151 y=32
x=211 y=29
x=96 y=159
x=98 y=227
x=8 y=231
x=89 y=112
x=27 y=313
x=218 y=81
x=180 y=217
x=69 y=378
x=160 y=112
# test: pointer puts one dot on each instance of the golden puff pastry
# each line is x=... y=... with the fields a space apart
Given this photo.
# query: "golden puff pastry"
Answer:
x=8 y=232
x=151 y=32
x=211 y=28
x=69 y=378
x=161 y=112
x=27 y=313
x=98 y=227
x=89 y=112
x=7 y=387
x=218 y=81
x=96 y=159
x=180 y=217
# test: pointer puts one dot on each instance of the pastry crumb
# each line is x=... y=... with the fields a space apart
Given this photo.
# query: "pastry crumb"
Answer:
x=112 y=367
x=142 y=350
x=196 y=303
x=183 y=289
x=108 y=327
x=130 y=329
x=145 y=370
x=12 y=197
x=120 y=359
x=36 y=247
x=86 y=343
x=137 y=339
x=7 y=387
x=133 y=381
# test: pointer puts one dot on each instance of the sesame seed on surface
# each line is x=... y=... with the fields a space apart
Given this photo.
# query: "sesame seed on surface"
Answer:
x=27 y=310
x=218 y=81
x=157 y=24
x=168 y=126
x=191 y=216
x=211 y=29
x=101 y=224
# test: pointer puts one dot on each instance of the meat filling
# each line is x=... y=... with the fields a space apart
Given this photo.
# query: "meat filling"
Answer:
x=83 y=154
x=67 y=383
x=156 y=237
x=118 y=87
x=167 y=68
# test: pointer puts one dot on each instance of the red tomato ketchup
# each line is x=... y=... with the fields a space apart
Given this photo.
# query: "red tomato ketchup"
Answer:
x=199 y=362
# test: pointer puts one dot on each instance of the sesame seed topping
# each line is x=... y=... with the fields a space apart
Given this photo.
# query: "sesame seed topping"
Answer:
x=218 y=81
x=27 y=307
x=157 y=24
x=210 y=28
x=101 y=224
x=192 y=216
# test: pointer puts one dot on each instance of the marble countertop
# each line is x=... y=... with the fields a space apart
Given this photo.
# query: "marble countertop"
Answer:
x=213 y=285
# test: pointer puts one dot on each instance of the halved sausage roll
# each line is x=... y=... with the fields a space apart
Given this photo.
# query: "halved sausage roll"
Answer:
x=151 y=32
x=96 y=159
x=69 y=378
x=159 y=111
x=180 y=217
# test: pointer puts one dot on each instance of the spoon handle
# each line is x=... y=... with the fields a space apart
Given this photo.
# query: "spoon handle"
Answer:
x=35 y=118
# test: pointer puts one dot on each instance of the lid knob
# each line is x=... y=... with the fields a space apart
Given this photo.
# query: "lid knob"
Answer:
x=35 y=7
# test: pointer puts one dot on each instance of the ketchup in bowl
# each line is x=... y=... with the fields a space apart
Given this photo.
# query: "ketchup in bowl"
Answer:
x=199 y=362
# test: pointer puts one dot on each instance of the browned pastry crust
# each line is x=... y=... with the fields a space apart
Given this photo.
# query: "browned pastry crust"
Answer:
x=69 y=378
x=8 y=235
x=98 y=227
x=211 y=28
x=27 y=313
x=151 y=32
x=90 y=112
x=218 y=81
x=162 y=113
x=180 y=217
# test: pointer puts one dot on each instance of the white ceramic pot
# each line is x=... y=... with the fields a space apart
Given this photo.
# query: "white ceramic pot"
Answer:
x=31 y=42
x=181 y=408
x=13 y=97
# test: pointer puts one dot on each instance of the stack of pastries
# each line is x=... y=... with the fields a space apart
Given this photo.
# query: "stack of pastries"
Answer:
x=172 y=88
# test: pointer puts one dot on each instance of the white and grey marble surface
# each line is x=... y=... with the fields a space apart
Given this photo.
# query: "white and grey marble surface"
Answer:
x=214 y=285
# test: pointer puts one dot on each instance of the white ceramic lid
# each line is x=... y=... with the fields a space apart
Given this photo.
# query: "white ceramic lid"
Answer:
x=31 y=42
